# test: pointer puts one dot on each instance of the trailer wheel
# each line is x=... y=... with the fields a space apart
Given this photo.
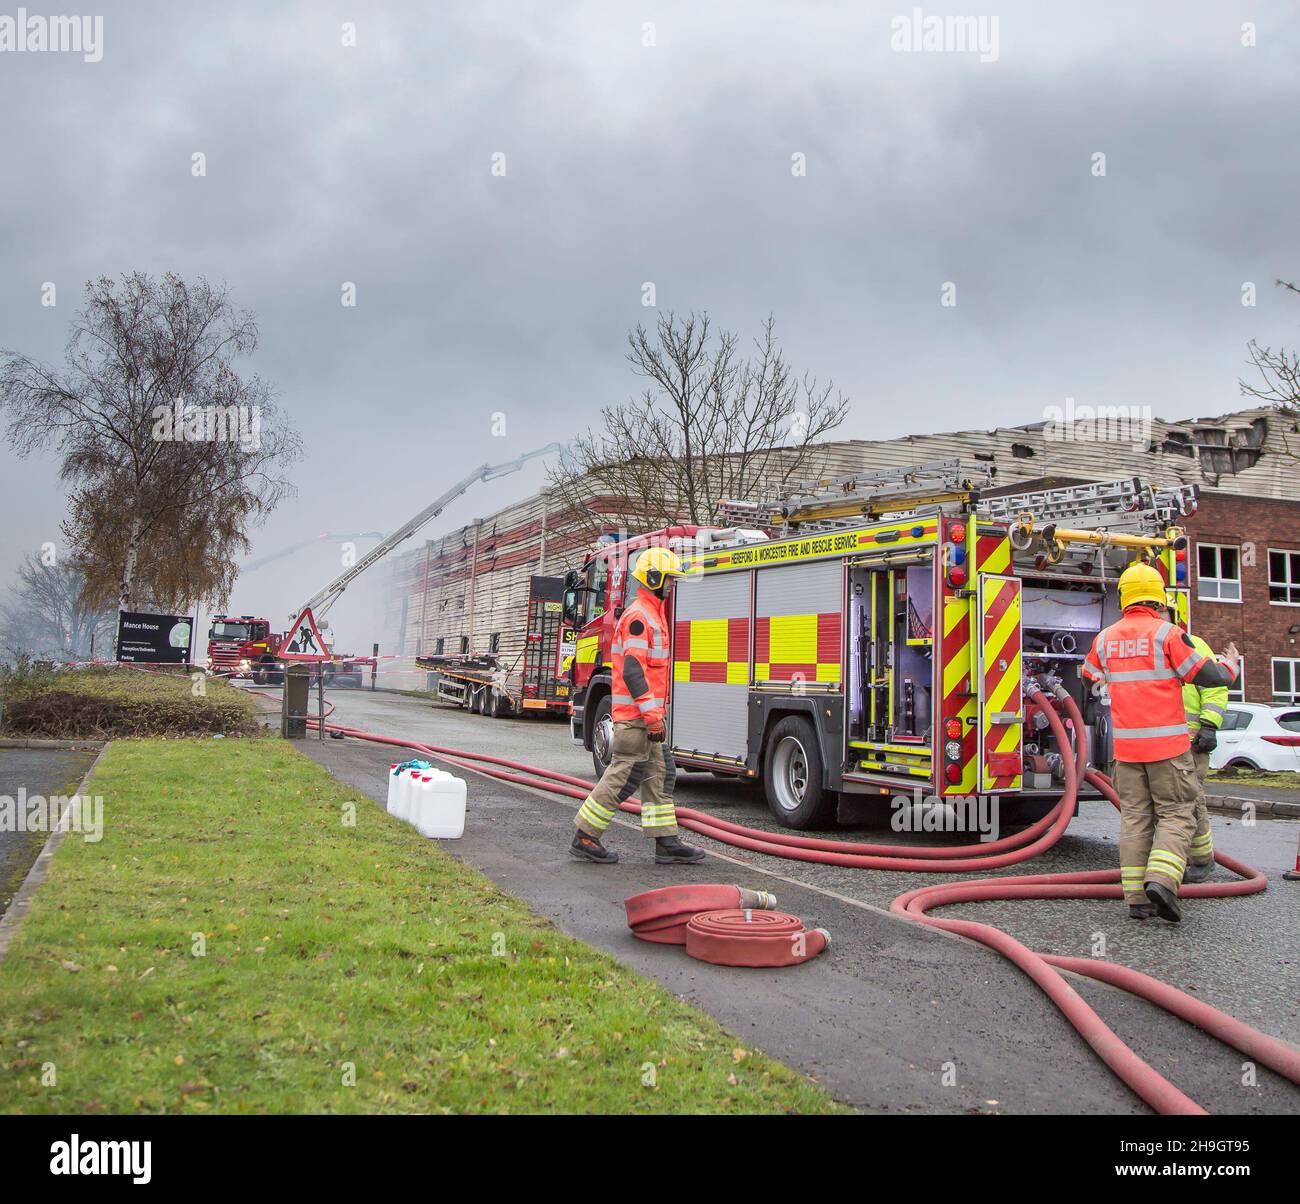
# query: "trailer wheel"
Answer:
x=499 y=705
x=475 y=700
x=602 y=735
x=792 y=776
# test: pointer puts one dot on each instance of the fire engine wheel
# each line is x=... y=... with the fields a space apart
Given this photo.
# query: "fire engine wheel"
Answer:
x=602 y=735
x=259 y=675
x=792 y=777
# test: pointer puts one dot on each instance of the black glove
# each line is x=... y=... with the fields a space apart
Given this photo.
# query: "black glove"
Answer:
x=1206 y=740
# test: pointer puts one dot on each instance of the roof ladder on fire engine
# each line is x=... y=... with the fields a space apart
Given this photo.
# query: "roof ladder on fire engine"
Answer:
x=1126 y=513
x=1128 y=504
x=842 y=501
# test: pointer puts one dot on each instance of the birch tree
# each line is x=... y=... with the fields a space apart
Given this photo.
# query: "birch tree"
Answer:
x=169 y=453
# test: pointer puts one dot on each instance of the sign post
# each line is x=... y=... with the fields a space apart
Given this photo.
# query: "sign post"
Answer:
x=148 y=639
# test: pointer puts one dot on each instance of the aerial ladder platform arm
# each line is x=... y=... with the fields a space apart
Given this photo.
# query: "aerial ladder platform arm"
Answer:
x=324 y=598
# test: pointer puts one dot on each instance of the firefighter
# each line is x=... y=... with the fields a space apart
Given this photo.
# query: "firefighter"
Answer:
x=1206 y=708
x=641 y=763
x=1143 y=658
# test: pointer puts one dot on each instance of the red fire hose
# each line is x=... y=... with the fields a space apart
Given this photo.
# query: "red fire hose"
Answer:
x=1043 y=969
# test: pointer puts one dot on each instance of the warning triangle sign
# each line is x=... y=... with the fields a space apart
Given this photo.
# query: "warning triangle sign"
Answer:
x=303 y=641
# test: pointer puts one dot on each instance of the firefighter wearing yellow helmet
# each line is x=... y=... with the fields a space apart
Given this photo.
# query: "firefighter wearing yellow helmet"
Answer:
x=1143 y=659
x=641 y=658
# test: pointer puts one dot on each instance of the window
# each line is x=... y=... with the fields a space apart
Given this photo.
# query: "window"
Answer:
x=1289 y=720
x=440 y=645
x=1236 y=721
x=593 y=600
x=464 y=644
x=495 y=644
x=1286 y=679
x=1218 y=573
x=1284 y=578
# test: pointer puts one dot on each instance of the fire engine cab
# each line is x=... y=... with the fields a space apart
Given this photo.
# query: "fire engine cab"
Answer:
x=876 y=633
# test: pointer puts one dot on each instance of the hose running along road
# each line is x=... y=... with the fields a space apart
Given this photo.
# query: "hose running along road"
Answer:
x=1043 y=968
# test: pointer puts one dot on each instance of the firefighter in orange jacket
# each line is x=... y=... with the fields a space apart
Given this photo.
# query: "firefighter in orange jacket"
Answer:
x=640 y=659
x=1144 y=660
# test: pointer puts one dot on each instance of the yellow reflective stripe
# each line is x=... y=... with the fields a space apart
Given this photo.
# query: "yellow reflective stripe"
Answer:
x=590 y=804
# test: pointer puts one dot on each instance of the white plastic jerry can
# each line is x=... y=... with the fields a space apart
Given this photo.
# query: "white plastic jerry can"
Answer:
x=442 y=806
x=394 y=780
x=407 y=782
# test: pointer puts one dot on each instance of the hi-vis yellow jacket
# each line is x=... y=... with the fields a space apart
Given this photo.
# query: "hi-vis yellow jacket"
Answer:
x=1204 y=705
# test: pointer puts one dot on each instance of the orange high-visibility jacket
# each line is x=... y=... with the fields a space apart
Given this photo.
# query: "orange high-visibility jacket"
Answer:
x=641 y=658
x=1145 y=660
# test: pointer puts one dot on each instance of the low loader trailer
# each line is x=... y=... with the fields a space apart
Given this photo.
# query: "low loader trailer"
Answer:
x=535 y=681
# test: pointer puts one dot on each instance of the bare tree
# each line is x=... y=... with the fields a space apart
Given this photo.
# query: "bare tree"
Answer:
x=711 y=424
x=46 y=614
x=171 y=455
x=1276 y=382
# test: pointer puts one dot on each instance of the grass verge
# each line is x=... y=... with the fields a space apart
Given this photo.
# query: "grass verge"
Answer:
x=347 y=965
x=1287 y=779
x=100 y=703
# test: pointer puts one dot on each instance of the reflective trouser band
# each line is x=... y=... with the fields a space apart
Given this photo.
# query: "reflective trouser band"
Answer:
x=596 y=815
x=1149 y=733
x=658 y=815
x=1132 y=878
x=1203 y=844
x=1161 y=862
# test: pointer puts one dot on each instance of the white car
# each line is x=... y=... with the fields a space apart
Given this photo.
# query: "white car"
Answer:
x=1254 y=736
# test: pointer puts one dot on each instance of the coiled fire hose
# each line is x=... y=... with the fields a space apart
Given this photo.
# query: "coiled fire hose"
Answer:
x=725 y=925
x=1043 y=969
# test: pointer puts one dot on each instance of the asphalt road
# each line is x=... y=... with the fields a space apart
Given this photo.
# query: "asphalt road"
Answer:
x=878 y=1018
x=38 y=771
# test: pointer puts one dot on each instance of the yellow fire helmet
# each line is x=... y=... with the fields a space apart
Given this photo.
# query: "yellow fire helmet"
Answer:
x=655 y=565
x=1141 y=583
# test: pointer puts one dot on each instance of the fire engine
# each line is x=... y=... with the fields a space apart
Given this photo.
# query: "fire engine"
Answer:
x=245 y=646
x=876 y=633
x=242 y=645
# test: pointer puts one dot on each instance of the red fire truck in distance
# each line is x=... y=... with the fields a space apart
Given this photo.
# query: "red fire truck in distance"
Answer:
x=245 y=646
x=882 y=639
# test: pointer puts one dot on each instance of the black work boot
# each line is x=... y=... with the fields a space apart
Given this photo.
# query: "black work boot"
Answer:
x=1199 y=873
x=588 y=848
x=1140 y=911
x=1164 y=901
x=669 y=850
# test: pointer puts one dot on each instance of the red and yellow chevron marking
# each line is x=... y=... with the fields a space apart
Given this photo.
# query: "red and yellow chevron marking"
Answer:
x=1000 y=633
x=958 y=696
x=992 y=552
x=715 y=650
x=797 y=647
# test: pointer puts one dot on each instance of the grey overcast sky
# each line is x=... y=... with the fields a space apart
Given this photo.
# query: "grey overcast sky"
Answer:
x=669 y=163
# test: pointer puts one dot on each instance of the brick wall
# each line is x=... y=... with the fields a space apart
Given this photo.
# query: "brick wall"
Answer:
x=1259 y=628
